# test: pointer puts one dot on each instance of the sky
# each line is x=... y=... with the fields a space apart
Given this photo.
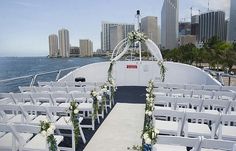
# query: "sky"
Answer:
x=26 y=24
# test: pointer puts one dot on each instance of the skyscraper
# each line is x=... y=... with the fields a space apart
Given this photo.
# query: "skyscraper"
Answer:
x=212 y=24
x=106 y=35
x=116 y=35
x=232 y=22
x=195 y=26
x=53 y=45
x=169 y=24
x=86 y=48
x=149 y=26
x=64 y=43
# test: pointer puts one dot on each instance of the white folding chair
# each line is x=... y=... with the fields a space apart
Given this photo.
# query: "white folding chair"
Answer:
x=215 y=106
x=38 y=142
x=226 y=130
x=43 y=99
x=12 y=141
x=64 y=122
x=176 y=143
x=165 y=101
x=199 y=123
x=217 y=145
x=203 y=94
x=173 y=126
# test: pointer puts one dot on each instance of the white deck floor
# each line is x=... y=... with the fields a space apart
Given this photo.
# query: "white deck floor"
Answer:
x=121 y=129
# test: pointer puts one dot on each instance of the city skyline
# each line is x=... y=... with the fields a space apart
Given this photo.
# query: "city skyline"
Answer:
x=25 y=25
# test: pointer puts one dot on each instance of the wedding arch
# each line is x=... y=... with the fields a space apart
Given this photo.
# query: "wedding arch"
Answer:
x=123 y=46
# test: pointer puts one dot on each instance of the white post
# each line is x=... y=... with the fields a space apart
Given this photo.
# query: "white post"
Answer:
x=140 y=53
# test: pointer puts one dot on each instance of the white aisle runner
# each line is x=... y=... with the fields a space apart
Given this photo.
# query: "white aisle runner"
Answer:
x=121 y=129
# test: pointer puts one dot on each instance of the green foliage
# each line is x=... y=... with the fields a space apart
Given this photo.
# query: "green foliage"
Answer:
x=214 y=52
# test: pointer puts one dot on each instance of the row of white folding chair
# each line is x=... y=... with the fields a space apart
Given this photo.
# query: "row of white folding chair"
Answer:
x=195 y=87
x=56 y=99
x=196 y=93
x=199 y=105
x=176 y=143
x=31 y=114
x=86 y=89
x=70 y=84
x=190 y=124
x=24 y=137
x=194 y=124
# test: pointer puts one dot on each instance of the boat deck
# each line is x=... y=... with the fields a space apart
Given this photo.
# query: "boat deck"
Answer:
x=121 y=129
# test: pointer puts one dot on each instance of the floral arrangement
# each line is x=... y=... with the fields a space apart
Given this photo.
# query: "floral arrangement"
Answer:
x=136 y=36
x=111 y=81
x=104 y=93
x=74 y=112
x=149 y=133
x=96 y=98
x=47 y=130
x=162 y=70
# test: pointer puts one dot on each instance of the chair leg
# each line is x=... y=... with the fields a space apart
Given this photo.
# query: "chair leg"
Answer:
x=82 y=134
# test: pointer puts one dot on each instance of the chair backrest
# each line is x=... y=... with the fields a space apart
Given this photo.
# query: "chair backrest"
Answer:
x=26 y=89
x=193 y=87
x=217 y=144
x=216 y=104
x=228 y=88
x=56 y=89
x=8 y=109
x=182 y=92
x=168 y=113
x=225 y=95
x=211 y=87
x=161 y=85
x=202 y=117
x=42 y=89
x=166 y=100
x=166 y=92
x=6 y=96
x=41 y=97
x=180 y=141
x=44 y=83
x=203 y=94
x=193 y=103
x=75 y=89
x=228 y=118
x=61 y=97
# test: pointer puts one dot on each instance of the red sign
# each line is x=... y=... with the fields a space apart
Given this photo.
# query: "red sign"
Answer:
x=132 y=66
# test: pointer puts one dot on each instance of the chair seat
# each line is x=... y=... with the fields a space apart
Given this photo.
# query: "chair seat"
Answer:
x=46 y=104
x=85 y=106
x=65 y=121
x=38 y=142
x=195 y=129
x=67 y=105
x=6 y=140
x=167 y=127
x=19 y=118
x=211 y=111
x=42 y=118
x=163 y=147
x=229 y=132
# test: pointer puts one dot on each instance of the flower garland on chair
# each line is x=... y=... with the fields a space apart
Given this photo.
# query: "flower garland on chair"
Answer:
x=149 y=133
x=74 y=112
x=104 y=93
x=96 y=98
x=47 y=130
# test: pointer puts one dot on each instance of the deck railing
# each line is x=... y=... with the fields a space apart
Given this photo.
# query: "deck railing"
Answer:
x=11 y=84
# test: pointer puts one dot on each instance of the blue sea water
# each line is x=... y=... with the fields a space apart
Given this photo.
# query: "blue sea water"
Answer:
x=11 y=67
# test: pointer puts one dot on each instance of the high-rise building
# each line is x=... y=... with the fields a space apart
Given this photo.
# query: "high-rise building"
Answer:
x=149 y=26
x=169 y=24
x=195 y=26
x=53 y=45
x=74 y=51
x=106 y=36
x=64 y=43
x=86 y=48
x=116 y=35
x=212 y=24
x=184 y=28
x=232 y=22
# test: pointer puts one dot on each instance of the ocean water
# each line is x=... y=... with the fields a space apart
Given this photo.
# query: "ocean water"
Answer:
x=11 y=67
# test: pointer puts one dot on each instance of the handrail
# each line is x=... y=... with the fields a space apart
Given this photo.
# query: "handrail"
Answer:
x=34 y=77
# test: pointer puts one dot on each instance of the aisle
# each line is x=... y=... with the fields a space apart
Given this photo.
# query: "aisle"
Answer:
x=121 y=129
